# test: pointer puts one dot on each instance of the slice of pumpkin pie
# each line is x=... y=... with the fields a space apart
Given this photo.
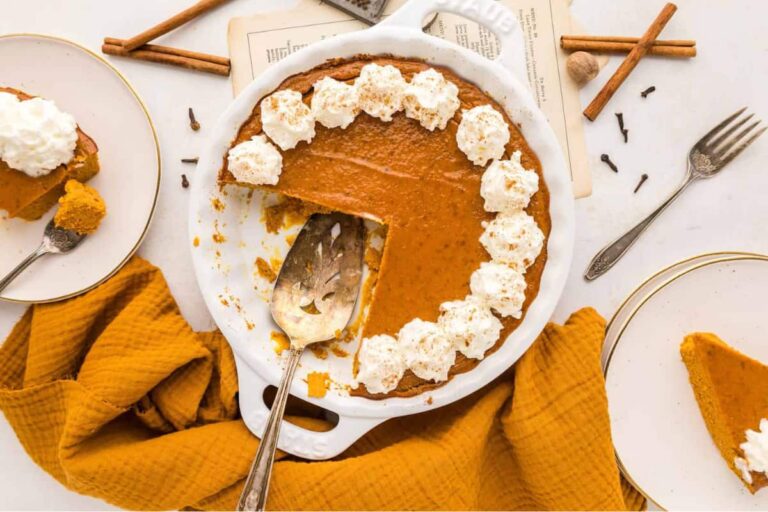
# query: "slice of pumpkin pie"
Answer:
x=732 y=392
x=41 y=149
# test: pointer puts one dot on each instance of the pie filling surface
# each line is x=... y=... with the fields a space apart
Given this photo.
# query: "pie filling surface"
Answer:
x=420 y=185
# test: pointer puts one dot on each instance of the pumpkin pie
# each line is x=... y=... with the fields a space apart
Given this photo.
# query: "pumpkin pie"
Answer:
x=28 y=197
x=732 y=392
x=414 y=179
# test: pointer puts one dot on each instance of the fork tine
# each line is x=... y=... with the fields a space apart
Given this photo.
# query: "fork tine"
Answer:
x=734 y=140
x=741 y=147
x=714 y=131
x=715 y=143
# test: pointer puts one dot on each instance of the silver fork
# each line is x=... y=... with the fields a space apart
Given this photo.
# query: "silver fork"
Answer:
x=707 y=158
x=56 y=240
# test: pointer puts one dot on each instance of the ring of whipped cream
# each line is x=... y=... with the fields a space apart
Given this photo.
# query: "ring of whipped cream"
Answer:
x=512 y=239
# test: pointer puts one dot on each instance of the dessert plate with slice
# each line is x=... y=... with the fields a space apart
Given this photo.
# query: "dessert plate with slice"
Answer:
x=680 y=411
x=116 y=153
x=417 y=173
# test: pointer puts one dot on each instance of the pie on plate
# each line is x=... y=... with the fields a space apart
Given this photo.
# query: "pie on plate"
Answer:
x=28 y=197
x=732 y=392
x=419 y=170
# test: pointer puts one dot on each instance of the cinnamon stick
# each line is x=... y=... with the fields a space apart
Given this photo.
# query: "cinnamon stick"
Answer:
x=184 y=61
x=630 y=62
x=621 y=47
x=633 y=40
x=175 y=21
x=215 y=59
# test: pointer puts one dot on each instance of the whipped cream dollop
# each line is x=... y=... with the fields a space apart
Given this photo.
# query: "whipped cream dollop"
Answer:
x=482 y=134
x=431 y=99
x=286 y=119
x=499 y=286
x=334 y=103
x=380 y=364
x=426 y=350
x=380 y=90
x=256 y=161
x=755 y=452
x=35 y=136
x=513 y=239
x=470 y=325
x=507 y=186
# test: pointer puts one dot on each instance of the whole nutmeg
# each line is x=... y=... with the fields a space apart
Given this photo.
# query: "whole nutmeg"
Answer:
x=582 y=67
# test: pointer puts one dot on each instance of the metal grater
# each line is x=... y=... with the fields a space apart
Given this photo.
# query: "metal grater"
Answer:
x=367 y=11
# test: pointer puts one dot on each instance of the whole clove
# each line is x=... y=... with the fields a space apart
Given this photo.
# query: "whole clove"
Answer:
x=192 y=121
x=184 y=181
x=648 y=91
x=189 y=160
x=643 y=179
x=605 y=158
x=624 y=131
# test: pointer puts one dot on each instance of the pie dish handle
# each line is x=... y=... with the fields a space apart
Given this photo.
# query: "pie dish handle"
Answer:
x=489 y=13
x=295 y=440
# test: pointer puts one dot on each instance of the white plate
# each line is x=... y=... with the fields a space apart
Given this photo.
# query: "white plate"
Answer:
x=631 y=302
x=109 y=110
x=659 y=434
x=238 y=300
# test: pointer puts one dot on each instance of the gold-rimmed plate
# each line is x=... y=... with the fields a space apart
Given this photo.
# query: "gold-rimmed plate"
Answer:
x=108 y=109
x=661 y=441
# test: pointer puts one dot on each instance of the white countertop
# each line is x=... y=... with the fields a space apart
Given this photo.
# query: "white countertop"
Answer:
x=727 y=213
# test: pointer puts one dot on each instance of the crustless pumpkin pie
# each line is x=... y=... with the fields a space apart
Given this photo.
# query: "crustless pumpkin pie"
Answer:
x=420 y=185
x=732 y=392
x=28 y=197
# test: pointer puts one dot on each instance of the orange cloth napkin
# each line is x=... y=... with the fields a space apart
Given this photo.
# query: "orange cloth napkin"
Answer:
x=115 y=396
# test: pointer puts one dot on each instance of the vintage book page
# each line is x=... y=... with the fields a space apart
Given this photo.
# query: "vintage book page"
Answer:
x=256 y=42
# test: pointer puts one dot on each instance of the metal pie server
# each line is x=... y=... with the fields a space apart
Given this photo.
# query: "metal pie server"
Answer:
x=314 y=296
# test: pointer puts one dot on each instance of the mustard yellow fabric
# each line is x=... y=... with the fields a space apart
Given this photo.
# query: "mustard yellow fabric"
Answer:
x=115 y=396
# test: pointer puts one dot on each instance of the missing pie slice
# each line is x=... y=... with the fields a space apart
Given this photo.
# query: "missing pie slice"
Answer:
x=732 y=392
x=27 y=197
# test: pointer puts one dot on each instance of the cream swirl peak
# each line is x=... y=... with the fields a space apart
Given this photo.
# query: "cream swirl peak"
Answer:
x=755 y=450
x=286 y=119
x=380 y=90
x=431 y=99
x=35 y=136
x=334 y=103
x=255 y=161
x=470 y=325
x=427 y=352
x=513 y=239
x=499 y=286
x=507 y=186
x=482 y=134
x=380 y=364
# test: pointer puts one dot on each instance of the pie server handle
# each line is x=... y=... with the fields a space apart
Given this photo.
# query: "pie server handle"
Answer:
x=295 y=440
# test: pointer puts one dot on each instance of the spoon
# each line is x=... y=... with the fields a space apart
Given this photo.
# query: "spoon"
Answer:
x=56 y=240
x=313 y=299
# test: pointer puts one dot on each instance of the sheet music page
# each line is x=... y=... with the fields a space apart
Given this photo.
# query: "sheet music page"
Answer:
x=256 y=42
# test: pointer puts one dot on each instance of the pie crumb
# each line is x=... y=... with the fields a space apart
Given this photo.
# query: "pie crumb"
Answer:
x=265 y=270
x=280 y=342
x=317 y=384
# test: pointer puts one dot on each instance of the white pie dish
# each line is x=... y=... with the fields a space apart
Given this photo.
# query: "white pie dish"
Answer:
x=225 y=270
